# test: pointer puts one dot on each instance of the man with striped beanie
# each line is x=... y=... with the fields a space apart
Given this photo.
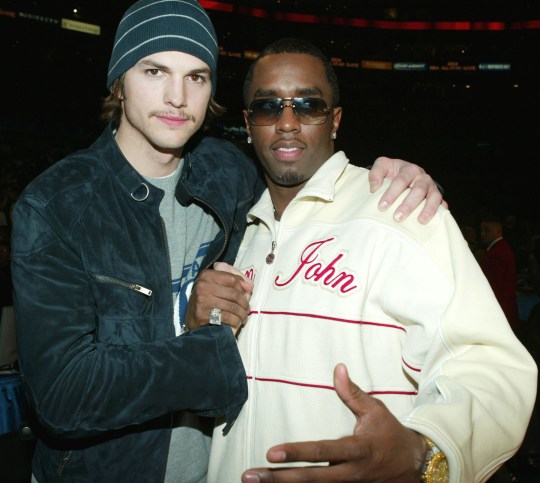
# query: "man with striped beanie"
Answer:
x=111 y=240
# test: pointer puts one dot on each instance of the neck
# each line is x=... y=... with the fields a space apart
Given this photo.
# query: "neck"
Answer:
x=147 y=159
x=281 y=197
x=277 y=214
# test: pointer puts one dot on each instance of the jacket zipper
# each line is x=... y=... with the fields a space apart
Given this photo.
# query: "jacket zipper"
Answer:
x=164 y=231
x=116 y=281
x=63 y=463
x=265 y=284
x=223 y=226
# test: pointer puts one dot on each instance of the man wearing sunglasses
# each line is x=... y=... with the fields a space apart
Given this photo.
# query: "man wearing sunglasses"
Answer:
x=445 y=390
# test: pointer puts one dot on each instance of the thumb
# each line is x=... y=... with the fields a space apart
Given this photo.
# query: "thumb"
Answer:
x=247 y=283
x=352 y=396
x=225 y=267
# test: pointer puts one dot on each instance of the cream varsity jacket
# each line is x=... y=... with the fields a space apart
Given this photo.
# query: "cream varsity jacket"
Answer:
x=405 y=306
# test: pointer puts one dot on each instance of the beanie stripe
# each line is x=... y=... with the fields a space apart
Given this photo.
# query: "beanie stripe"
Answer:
x=151 y=26
x=189 y=4
x=169 y=15
x=161 y=37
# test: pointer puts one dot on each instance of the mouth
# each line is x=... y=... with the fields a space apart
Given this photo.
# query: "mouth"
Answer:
x=287 y=150
x=172 y=120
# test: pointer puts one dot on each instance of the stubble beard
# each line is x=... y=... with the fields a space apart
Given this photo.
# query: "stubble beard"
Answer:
x=289 y=178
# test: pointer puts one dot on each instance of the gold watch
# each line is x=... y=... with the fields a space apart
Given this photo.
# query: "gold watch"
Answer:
x=436 y=465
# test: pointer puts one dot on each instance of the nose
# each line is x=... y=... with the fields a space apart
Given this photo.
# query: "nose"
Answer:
x=175 y=93
x=287 y=121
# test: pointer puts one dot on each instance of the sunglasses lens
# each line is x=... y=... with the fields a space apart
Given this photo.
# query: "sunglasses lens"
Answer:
x=264 y=112
x=311 y=110
x=308 y=110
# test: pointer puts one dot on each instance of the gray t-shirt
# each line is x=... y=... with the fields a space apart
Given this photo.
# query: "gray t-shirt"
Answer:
x=190 y=230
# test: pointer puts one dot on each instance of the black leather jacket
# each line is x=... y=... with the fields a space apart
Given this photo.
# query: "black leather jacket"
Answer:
x=98 y=352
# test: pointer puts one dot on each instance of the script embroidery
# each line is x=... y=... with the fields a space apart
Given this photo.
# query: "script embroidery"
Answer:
x=250 y=273
x=328 y=275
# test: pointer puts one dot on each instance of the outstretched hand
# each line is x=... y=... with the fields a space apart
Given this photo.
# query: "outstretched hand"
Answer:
x=380 y=448
x=406 y=175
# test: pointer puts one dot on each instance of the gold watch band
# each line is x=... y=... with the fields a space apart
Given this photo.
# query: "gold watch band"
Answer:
x=436 y=465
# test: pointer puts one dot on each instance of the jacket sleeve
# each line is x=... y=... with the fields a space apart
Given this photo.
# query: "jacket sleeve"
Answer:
x=477 y=383
x=80 y=386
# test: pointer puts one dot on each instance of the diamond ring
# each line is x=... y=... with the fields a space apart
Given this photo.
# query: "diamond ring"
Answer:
x=215 y=317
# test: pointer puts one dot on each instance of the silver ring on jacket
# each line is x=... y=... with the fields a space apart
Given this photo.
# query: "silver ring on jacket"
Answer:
x=215 y=317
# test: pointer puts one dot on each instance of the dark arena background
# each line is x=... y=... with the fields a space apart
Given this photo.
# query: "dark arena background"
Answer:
x=452 y=86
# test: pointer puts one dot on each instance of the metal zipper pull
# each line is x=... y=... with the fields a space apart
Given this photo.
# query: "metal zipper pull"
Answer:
x=116 y=281
x=271 y=257
x=143 y=290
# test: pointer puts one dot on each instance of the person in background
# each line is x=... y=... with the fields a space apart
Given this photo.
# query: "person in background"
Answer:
x=533 y=264
x=499 y=267
x=469 y=233
x=106 y=246
x=8 y=343
x=342 y=292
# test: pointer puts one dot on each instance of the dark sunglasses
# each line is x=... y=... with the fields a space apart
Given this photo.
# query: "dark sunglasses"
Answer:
x=308 y=110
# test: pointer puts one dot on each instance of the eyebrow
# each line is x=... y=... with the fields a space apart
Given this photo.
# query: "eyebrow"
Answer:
x=302 y=92
x=157 y=65
x=200 y=71
x=153 y=64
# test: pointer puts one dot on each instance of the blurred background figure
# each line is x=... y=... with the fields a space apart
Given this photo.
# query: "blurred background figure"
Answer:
x=469 y=233
x=16 y=440
x=533 y=265
x=499 y=267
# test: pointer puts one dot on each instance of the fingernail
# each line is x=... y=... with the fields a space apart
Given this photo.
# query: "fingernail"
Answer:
x=398 y=216
x=278 y=456
x=251 y=477
x=383 y=205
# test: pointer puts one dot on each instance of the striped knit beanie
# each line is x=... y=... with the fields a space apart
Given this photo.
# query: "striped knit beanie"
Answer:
x=151 y=26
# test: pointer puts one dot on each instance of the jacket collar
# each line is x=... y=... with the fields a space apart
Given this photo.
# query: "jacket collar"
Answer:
x=211 y=175
x=129 y=178
x=493 y=243
x=322 y=185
